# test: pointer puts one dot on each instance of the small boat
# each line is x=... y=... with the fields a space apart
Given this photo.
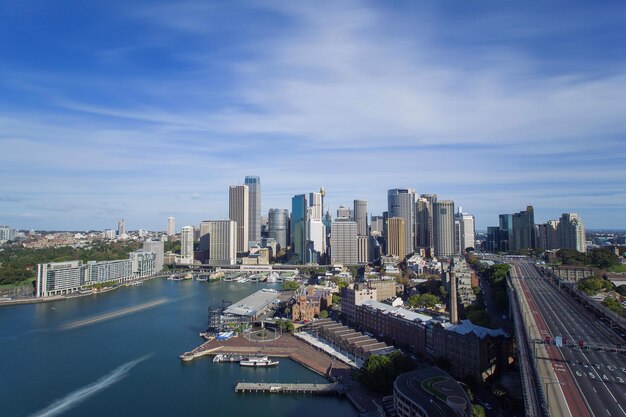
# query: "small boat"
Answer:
x=257 y=361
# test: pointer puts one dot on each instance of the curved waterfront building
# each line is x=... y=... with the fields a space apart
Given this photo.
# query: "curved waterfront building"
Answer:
x=278 y=225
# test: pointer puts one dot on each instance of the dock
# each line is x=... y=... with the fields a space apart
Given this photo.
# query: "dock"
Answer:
x=281 y=388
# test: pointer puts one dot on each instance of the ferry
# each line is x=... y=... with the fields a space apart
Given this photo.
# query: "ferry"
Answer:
x=258 y=361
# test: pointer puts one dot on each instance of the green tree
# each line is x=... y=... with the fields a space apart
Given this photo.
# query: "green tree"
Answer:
x=379 y=371
x=290 y=285
x=478 y=411
x=423 y=300
x=323 y=314
x=613 y=305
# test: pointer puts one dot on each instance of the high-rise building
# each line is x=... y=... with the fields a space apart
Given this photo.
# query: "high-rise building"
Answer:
x=343 y=242
x=171 y=226
x=186 y=245
x=315 y=206
x=278 y=226
x=222 y=236
x=316 y=240
x=571 y=232
x=238 y=211
x=254 y=211
x=121 y=227
x=424 y=221
x=6 y=233
x=156 y=247
x=401 y=203
x=396 y=239
x=523 y=236
x=360 y=217
x=343 y=211
x=466 y=234
x=552 y=237
x=376 y=226
x=362 y=248
x=298 y=226
x=443 y=227
x=315 y=230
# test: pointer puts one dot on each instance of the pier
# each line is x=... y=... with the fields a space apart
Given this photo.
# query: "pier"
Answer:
x=281 y=388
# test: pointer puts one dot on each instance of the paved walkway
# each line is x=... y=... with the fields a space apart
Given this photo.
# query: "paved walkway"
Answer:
x=326 y=348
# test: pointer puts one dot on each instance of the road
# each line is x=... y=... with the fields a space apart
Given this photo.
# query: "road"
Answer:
x=592 y=382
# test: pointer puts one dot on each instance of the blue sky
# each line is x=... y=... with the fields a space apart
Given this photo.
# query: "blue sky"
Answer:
x=144 y=110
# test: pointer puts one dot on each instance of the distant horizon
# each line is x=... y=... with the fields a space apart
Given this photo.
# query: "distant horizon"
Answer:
x=144 y=110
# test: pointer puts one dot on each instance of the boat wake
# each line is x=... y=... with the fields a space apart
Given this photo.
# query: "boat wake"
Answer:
x=115 y=314
x=74 y=398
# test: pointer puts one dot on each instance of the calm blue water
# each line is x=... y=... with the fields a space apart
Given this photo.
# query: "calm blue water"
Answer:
x=129 y=366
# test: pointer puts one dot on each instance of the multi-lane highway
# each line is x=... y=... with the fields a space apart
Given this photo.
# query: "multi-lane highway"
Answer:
x=593 y=382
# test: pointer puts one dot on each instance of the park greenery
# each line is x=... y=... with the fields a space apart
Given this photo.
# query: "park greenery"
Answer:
x=423 y=301
x=379 y=371
x=101 y=285
x=613 y=305
x=603 y=258
x=285 y=325
x=323 y=314
x=593 y=285
x=18 y=265
x=290 y=285
x=478 y=411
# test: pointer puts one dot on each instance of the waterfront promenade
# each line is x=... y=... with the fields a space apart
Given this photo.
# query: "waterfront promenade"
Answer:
x=315 y=359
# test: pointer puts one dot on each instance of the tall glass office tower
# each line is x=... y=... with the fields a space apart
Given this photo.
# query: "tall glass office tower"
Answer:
x=298 y=225
x=254 y=207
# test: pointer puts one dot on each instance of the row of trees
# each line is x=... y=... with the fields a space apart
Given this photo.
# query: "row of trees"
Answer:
x=599 y=257
x=379 y=371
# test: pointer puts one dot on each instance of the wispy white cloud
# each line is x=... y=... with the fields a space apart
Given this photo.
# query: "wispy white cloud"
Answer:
x=318 y=94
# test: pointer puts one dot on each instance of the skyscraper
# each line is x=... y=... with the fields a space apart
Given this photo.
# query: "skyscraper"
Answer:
x=171 y=226
x=315 y=230
x=571 y=232
x=278 y=226
x=443 y=227
x=523 y=230
x=505 y=239
x=121 y=227
x=254 y=211
x=343 y=242
x=186 y=245
x=156 y=247
x=343 y=211
x=222 y=235
x=298 y=226
x=424 y=220
x=466 y=235
x=360 y=217
x=401 y=203
x=315 y=206
x=238 y=211
x=396 y=238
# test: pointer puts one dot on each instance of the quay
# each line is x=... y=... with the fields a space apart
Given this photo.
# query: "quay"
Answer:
x=281 y=388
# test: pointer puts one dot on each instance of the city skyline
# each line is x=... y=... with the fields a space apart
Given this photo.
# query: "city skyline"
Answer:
x=107 y=110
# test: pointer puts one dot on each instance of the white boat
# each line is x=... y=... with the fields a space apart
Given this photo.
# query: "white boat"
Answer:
x=273 y=277
x=258 y=361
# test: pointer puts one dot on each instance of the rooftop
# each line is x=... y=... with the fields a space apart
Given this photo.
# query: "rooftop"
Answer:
x=466 y=326
x=434 y=391
x=396 y=311
x=254 y=303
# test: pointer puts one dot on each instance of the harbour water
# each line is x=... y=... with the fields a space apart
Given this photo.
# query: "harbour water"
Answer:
x=117 y=354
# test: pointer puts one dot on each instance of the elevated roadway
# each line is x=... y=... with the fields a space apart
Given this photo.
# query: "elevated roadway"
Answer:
x=576 y=381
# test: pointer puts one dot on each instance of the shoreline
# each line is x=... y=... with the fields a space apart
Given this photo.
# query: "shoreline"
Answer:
x=35 y=300
x=297 y=350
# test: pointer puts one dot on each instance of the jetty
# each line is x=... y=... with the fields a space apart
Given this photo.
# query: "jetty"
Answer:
x=282 y=388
